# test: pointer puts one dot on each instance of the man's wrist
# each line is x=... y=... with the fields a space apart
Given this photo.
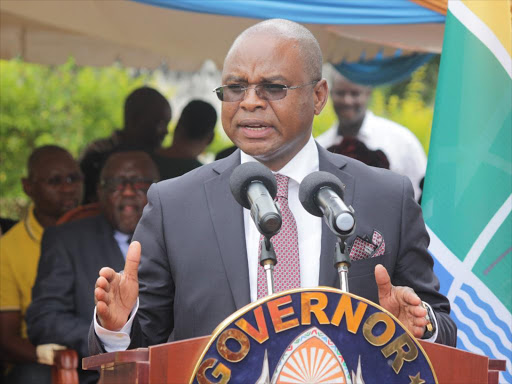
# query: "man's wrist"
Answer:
x=115 y=340
x=430 y=328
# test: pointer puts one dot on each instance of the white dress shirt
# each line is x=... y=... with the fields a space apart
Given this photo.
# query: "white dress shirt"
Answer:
x=403 y=150
x=122 y=240
x=309 y=227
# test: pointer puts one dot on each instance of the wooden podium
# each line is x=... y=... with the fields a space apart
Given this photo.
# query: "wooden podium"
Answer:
x=303 y=313
x=175 y=362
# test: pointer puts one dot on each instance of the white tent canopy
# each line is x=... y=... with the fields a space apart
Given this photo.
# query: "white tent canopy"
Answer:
x=99 y=33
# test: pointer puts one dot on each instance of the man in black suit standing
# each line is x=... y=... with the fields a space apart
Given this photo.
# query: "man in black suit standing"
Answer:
x=72 y=253
x=199 y=258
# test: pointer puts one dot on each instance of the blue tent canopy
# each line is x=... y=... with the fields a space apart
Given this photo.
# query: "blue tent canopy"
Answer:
x=376 y=71
x=348 y=12
x=380 y=71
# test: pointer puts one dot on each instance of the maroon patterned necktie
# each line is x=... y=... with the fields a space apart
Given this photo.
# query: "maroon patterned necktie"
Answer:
x=286 y=245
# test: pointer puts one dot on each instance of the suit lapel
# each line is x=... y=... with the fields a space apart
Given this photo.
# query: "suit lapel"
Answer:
x=228 y=223
x=334 y=164
x=231 y=235
x=109 y=248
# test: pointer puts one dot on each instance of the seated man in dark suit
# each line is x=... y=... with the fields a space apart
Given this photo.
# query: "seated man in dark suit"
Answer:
x=72 y=253
x=199 y=261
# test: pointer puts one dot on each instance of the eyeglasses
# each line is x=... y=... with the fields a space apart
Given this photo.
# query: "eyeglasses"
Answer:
x=118 y=185
x=268 y=92
x=60 y=180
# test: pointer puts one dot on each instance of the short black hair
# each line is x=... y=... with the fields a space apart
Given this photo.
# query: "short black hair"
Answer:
x=197 y=120
x=142 y=101
x=38 y=154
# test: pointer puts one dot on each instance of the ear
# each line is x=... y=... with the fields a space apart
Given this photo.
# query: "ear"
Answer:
x=321 y=93
x=27 y=187
x=211 y=137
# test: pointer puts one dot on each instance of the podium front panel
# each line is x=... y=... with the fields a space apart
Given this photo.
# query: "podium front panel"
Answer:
x=320 y=335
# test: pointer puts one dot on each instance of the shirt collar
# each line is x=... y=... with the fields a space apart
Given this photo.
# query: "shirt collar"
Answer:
x=32 y=226
x=121 y=237
x=304 y=162
x=364 y=132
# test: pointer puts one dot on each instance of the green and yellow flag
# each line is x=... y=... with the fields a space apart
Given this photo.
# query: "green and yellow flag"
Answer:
x=467 y=200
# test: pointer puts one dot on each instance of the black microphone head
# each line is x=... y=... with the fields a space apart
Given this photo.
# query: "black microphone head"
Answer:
x=245 y=174
x=312 y=184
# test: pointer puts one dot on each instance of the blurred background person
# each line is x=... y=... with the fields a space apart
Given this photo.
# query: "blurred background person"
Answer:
x=54 y=184
x=401 y=147
x=74 y=252
x=194 y=131
x=147 y=114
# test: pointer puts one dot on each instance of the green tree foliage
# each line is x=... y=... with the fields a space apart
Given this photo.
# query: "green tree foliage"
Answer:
x=411 y=110
x=429 y=79
x=65 y=105
x=70 y=106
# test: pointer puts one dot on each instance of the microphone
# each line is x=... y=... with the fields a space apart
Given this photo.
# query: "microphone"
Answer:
x=254 y=187
x=321 y=194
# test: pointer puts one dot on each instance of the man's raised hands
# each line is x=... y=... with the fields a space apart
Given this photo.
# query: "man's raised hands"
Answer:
x=116 y=293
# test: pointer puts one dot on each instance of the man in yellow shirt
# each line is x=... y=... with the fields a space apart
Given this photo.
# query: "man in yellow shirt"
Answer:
x=54 y=184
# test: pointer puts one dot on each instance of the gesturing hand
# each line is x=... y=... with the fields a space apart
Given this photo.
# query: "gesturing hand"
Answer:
x=402 y=302
x=116 y=293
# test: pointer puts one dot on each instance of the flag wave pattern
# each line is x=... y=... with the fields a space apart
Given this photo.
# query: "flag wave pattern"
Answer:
x=480 y=329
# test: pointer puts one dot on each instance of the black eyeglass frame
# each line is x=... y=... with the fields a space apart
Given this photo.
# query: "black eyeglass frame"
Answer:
x=112 y=185
x=60 y=180
x=219 y=91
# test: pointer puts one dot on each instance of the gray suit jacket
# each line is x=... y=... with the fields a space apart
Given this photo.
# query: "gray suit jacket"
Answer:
x=63 y=294
x=194 y=272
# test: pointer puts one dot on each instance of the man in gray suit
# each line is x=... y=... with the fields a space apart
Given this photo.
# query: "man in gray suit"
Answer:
x=199 y=247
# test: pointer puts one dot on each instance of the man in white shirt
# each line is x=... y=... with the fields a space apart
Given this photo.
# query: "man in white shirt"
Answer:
x=199 y=247
x=403 y=150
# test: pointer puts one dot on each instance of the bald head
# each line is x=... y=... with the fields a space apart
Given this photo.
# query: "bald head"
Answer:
x=37 y=161
x=274 y=54
x=54 y=183
x=307 y=44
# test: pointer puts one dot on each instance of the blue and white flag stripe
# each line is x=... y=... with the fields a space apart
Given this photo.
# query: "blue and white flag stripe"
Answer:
x=480 y=330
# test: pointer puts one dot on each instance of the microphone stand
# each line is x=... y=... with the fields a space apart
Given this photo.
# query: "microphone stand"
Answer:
x=342 y=261
x=267 y=260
